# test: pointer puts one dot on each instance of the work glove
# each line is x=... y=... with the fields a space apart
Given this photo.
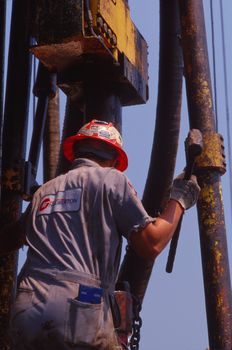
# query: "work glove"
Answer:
x=185 y=192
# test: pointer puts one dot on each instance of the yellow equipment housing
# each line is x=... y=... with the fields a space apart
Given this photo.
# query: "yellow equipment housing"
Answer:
x=113 y=22
x=103 y=33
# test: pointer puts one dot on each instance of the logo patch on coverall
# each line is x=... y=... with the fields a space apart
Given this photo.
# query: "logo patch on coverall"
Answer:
x=62 y=201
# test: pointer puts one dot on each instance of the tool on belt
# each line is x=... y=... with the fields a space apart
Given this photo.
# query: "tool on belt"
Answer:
x=193 y=148
x=122 y=306
x=123 y=313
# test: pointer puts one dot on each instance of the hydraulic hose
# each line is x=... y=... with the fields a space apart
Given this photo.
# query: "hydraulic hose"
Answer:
x=163 y=155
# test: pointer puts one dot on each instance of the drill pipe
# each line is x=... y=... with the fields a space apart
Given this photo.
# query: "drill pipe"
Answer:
x=13 y=149
x=165 y=142
x=214 y=253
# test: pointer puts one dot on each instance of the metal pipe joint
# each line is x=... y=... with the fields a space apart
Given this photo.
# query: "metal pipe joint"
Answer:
x=213 y=153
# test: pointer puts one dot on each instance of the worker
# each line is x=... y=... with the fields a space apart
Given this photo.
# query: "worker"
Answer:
x=73 y=229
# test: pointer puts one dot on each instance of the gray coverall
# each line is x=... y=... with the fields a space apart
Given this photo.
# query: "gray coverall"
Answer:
x=74 y=236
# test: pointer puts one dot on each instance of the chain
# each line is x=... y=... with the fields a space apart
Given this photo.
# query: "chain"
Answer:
x=137 y=324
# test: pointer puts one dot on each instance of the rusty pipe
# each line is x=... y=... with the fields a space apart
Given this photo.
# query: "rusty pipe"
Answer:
x=51 y=141
x=215 y=262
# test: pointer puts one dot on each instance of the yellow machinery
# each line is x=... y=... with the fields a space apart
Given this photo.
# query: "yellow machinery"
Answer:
x=98 y=33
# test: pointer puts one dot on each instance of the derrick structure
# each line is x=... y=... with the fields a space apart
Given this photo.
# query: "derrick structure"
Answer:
x=93 y=52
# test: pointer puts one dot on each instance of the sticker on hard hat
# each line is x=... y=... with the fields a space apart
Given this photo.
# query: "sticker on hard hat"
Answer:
x=62 y=201
x=104 y=133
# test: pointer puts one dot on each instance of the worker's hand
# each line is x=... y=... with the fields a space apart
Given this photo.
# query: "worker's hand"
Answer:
x=185 y=191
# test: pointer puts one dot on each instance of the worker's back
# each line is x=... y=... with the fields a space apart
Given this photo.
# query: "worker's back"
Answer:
x=74 y=251
x=75 y=223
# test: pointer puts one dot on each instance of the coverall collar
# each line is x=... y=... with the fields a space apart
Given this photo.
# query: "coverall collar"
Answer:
x=84 y=162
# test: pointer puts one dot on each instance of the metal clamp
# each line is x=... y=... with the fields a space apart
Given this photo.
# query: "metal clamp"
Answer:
x=213 y=155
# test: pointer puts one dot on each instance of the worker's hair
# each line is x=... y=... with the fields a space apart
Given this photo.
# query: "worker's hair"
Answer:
x=96 y=149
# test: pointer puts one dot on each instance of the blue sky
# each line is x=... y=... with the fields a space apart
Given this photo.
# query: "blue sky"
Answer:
x=174 y=308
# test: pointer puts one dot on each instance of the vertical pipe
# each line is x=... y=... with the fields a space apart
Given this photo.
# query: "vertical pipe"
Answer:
x=13 y=149
x=215 y=262
x=51 y=141
x=2 y=70
x=45 y=87
x=103 y=105
x=73 y=120
x=38 y=130
x=166 y=135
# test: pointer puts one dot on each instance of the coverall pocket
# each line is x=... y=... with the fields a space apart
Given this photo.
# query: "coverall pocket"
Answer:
x=83 y=322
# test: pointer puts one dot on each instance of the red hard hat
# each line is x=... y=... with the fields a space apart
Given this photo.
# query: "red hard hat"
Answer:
x=102 y=131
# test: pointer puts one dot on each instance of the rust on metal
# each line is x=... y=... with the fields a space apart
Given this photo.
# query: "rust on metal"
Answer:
x=215 y=262
x=11 y=179
x=196 y=66
x=7 y=282
x=51 y=144
x=213 y=155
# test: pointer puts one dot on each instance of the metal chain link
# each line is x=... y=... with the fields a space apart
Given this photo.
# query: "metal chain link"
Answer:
x=137 y=324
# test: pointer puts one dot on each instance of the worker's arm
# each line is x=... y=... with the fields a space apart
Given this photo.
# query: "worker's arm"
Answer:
x=13 y=236
x=151 y=240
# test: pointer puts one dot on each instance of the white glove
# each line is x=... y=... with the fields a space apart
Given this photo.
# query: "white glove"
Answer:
x=185 y=192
